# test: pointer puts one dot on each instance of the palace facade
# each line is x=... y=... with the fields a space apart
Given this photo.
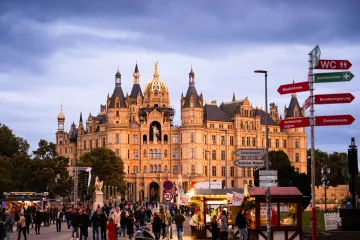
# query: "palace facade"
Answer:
x=139 y=128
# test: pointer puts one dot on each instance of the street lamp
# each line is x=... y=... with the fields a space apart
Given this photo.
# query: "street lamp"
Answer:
x=267 y=155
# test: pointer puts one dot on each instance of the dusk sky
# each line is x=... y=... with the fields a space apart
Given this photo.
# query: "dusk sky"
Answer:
x=67 y=52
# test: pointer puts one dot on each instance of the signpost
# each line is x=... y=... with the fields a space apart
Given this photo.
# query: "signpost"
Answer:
x=307 y=103
x=334 y=120
x=268 y=178
x=334 y=98
x=250 y=152
x=168 y=196
x=181 y=191
x=295 y=123
x=334 y=64
x=168 y=185
x=249 y=163
x=294 y=88
x=333 y=77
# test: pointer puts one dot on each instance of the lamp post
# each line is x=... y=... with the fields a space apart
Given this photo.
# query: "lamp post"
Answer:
x=267 y=156
x=208 y=152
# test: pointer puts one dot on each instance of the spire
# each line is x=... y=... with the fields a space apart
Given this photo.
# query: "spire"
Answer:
x=80 y=117
x=136 y=74
x=156 y=73
x=118 y=77
x=191 y=77
x=234 y=99
x=61 y=115
x=293 y=94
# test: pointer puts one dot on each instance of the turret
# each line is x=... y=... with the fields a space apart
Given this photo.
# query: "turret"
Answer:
x=61 y=120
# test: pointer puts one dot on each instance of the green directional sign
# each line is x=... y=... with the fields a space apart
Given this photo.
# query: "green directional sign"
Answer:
x=333 y=77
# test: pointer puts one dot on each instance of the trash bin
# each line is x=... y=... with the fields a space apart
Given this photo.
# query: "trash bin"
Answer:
x=200 y=232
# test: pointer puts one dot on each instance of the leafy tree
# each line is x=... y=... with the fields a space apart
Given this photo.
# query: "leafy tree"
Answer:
x=105 y=165
x=10 y=144
x=50 y=168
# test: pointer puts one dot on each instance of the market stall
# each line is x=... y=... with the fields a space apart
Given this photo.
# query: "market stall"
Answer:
x=286 y=213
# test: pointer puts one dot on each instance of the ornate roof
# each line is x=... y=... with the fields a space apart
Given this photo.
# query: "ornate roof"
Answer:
x=156 y=84
x=61 y=115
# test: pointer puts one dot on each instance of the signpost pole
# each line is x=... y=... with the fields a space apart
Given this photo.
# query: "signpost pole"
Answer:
x=312 y=132
x=269 y=237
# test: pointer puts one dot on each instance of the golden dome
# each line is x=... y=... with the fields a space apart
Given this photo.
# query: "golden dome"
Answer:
x=61 y=115
x=156 y=83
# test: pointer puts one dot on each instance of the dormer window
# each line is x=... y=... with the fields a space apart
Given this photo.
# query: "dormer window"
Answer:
x=192 y=104
x=117 y=105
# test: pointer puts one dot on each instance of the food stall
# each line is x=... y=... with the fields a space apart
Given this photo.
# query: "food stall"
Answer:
x=210 y=202
x=286 y=213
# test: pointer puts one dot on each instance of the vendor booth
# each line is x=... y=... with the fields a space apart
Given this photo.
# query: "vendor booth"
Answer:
x=286 y=211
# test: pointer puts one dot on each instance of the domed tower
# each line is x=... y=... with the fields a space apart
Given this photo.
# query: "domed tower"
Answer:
x=60 y=134
x=117 y=113
x=192 y=111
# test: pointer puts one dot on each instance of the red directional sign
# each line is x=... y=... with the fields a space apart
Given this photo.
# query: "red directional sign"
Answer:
x=335 y=120
x=334 y=98
x=334 y=64
x=307 y=103
x=294 y=88
x=294 y=123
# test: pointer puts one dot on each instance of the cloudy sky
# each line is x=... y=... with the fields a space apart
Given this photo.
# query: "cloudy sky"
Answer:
x=67 y=52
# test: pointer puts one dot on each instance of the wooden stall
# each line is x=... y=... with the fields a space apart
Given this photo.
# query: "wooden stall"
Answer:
x=286 y=214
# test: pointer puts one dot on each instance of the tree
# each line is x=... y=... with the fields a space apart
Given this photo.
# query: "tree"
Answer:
x=105 y=165
x=10 y=144
x=50 y=168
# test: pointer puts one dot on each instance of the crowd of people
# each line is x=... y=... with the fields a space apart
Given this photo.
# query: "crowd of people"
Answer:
x=107 y=222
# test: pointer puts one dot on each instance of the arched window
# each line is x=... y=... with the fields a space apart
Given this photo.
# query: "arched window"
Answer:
x=144 y=153
x=246 y=126
x=155 y=152
x=155 y=168
x=151 y=154
x=151 y=168
x=144 y=168
x=159 y=168
x=159 y=154
x=165 y=153
x=241 y=125
x=144 y=138
x=165 y=138
x=165 y=168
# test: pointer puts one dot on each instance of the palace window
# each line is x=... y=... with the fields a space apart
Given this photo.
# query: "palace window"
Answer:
x=166 y=138
x=181 y=138
x=151 y=154
x=231 y=140
x=223 y=171
x=135 y=169
x=222 y=141
x=192 y=168
x=277 y=145
x=135 y=139
x=60 y=151
x=175 y=138
x=297 y=157
x=232 y=183
x=144 y=138
x=117 y=138
x=249 y=172
x=175 y=154
x=243 y=141
x=117 y=152
x=136 y=154
x=296 y=143
x=204 y=139
x=212 y=125
x=103 y=142
x=144 y=154
x=221 y=126
x=159 y=154
x=155 y=153
x=213 y=153
x=192 y=152
x=269 y=140
x=128 y=138
x=284 y=143
x=232 y=171
x=192 y=113
x=128 y=154
x=181 y=156
x=247 y=141
x=117 y=113
x=175 y=169
x=223 y=155
x=243 y=172
x=230 y=126
x=214 y=171
x=213 y=139
x=254 y=142
x=70 y=150
x=241 y=125
x=206 y=171
x=96 y=143
x=192 y=138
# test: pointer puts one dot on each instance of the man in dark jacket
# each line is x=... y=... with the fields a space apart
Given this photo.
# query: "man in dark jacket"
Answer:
x=75 y=221
x=95 y=224
x=58 y=218
x=179 y=221
x=242 y=223
x=38 y=218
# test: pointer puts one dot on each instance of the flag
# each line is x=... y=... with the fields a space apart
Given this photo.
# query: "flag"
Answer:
x=89 y=171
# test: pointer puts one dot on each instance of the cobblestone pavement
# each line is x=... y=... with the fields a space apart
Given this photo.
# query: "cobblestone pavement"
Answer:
x=49 y=233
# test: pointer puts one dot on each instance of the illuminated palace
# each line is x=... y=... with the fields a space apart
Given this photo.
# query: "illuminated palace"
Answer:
x=138 y=128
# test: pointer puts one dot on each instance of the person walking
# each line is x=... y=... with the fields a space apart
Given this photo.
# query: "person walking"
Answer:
x=123 y=222
x=75 y=221
x=214 y=228
x=193 y=222
x=38 y=220
x=84 y=224
x=130 y=225
x=9 y=223
x=103 y=220
x=242 y=223
x=179 y=221
x=58 y=218
x=168 y=223
x=27 y=221
x=95 y=225
x=21 y=226
x=156 y=226
x=223 y=226
x=111 y=227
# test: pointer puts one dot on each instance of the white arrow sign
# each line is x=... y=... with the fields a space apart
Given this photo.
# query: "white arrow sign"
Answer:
x=250 y=152
x=249 y=163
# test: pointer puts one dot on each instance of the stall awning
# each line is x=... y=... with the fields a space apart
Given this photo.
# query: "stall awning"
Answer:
x=217 y=191
x=275 y=191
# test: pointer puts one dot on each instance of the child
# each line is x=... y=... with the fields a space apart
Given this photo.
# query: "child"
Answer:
x=230 y=233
